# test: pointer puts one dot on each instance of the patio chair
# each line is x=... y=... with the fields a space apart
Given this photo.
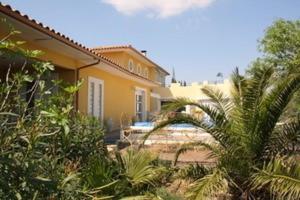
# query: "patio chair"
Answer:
x=126 y=131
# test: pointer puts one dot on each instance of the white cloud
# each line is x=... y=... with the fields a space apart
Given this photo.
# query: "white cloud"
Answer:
x=157 y=8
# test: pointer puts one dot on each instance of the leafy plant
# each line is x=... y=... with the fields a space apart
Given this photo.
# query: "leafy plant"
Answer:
x=193 y=172
x=281 y=50
x=44 y=142
x=132 y=173
x=282 y=176
x=243 y=125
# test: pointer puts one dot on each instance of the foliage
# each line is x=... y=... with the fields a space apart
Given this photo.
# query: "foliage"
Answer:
x=282 y=176
x=281 y=48
x=138 y=168
x=159 y=194
x=132 y=173
x=44 y=143
x=245 y=126
x=193 y=172
x=281 y=44
x=210 y=186
x=48 y=151
x=163 y=194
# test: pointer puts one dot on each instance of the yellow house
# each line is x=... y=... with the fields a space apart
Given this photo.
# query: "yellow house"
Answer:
x=126 y=89
x=192 y=92
x=117 y=79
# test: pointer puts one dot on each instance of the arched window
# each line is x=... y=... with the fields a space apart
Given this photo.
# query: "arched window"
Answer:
x=146 y=72
x=130 y=65
x=139 y=69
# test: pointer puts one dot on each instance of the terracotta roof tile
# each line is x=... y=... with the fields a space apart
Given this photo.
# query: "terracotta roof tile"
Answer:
x=8 y=10
x=113 y=47
x=128 y=46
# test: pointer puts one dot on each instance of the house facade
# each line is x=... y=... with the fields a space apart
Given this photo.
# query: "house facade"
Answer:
x=116 y=80
x=193 y=92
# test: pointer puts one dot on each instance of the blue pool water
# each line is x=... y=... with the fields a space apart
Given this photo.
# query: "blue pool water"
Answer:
x=151 y=124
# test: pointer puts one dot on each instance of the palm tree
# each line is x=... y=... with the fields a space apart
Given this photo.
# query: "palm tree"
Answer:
x=131 y=174
x=248 y=133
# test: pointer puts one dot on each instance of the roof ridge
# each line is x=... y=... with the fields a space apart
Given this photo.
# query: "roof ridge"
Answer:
x=8 y=10
x=130 y=47
x=113 y=46
x=41 y=25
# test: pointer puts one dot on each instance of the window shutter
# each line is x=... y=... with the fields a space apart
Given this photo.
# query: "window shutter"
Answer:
x=92 y=98
x=95 y=97
x=100 y=100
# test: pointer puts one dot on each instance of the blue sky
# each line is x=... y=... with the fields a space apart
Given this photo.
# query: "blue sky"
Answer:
x=199 y=38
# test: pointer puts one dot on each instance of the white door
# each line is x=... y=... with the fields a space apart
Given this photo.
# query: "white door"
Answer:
x=140 y=108
x=95 y=97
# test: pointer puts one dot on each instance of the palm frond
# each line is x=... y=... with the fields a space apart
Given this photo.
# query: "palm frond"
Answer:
x=100 y=173
x=209 y=187
x=272 y=107
x=193 y=172
x=177 y=104
x=180 y=118
x=101 y=188
x=140 y=197
x=164 y=194
x=219 y=100
x=238 y=83
x=248 y=94
x=254 y=92
x=215 y=149
x=286 y=137
x=139 y=169
x=215 y=113
x=183 y=149
x=281 y=176
x=159 y=194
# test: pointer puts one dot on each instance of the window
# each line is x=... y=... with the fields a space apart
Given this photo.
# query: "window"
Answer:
x=160 y=77
x=146 y=72
x=95 y=97
x=139 y=69
x=155 y=103
x=130 y=65
x=140 y=104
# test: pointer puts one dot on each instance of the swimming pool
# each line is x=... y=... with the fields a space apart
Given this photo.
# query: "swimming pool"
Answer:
x=148 y=126
x=151 y=125
x=176 y=133
x=184 y=126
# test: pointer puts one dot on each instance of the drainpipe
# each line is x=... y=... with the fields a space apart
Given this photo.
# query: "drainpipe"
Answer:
x=77 y=77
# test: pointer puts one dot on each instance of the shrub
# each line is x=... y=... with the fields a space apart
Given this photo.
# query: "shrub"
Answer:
x=44 y=143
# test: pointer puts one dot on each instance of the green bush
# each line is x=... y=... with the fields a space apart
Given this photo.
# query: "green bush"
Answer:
x=44 y=143
x=132 y=173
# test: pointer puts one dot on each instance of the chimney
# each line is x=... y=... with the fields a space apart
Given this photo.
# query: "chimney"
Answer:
x=144 y=52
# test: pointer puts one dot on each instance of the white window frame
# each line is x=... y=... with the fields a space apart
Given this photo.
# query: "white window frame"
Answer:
x=139 y=90
x=131 y=65
x=139 y=69
x=101 y=82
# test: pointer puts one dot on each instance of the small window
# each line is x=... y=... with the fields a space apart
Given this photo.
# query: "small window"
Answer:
x=146 y=72
x=130 y=65
x=139 y=69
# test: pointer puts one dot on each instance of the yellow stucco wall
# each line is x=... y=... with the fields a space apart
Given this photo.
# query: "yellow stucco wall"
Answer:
x=123 y=58
x=192 y=91
x=118 y=57
x=119 y=94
